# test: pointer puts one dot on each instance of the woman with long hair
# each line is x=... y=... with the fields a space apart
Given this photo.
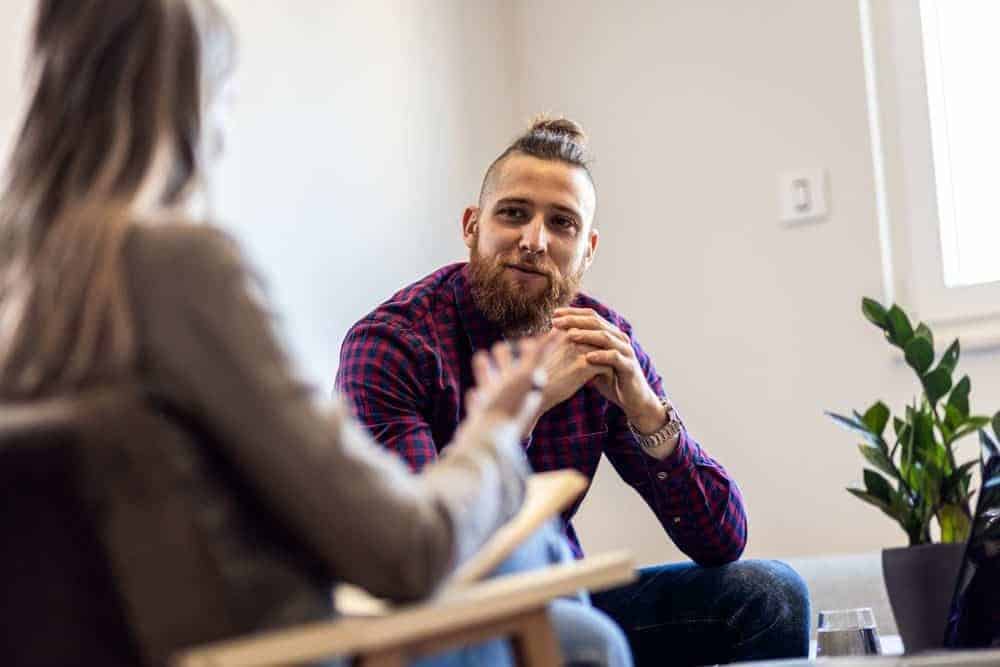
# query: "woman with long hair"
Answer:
x=106 y=280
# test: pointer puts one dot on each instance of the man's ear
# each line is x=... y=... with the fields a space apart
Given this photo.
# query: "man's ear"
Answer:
x=593 y=240
x=470 y=219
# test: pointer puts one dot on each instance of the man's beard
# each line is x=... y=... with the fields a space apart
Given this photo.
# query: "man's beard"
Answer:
x=516 y=311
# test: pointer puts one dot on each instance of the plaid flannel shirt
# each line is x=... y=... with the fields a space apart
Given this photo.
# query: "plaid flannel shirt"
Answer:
x=406 y=367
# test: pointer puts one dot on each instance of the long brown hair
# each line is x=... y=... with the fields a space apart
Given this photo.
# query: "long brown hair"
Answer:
x=119 y=89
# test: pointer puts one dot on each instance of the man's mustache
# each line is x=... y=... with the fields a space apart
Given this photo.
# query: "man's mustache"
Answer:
x=529 y=263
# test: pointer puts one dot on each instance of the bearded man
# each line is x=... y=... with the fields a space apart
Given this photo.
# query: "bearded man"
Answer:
x=406 y=368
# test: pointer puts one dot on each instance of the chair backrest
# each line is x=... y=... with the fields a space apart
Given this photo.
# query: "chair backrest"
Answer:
x=59 y=604
x=127 y=537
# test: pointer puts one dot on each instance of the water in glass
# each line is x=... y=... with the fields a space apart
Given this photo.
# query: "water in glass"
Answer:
x=847 y=632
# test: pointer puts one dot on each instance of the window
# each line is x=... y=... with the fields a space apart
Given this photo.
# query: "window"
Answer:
x=961 y=54
x=934 y=111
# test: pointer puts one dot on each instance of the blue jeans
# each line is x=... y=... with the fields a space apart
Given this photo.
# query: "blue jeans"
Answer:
x=586 y=636
x=685 y=614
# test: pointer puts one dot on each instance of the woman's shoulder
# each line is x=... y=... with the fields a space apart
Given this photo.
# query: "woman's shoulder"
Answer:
x=179 y=249
x=179 y=240
x=181 y=265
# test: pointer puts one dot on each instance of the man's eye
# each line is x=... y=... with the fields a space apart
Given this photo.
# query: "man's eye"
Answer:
x=564 y=223
x=512 y=213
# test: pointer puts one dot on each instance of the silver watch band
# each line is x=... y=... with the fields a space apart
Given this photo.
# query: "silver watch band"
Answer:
x=671 y=427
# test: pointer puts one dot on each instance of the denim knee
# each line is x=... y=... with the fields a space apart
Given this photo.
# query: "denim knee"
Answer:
x=776 y=603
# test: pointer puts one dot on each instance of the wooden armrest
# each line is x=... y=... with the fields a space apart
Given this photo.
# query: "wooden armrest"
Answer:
x=492 y=600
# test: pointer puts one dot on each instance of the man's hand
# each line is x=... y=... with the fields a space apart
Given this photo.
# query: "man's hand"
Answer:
x=568 y=370
x=610 y=349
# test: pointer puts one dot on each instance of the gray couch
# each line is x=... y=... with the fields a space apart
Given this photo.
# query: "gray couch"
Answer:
x=844 y=582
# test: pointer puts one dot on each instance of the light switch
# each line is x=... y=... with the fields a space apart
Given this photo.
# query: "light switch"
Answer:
x=802 y=195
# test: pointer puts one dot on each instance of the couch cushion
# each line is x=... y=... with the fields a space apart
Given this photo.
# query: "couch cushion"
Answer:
x=844 y=582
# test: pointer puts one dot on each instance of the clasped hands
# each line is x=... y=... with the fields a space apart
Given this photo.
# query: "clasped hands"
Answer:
x=596 y=351
x=523 y=381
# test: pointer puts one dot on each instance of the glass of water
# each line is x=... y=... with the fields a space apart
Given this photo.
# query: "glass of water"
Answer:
x=847 y=632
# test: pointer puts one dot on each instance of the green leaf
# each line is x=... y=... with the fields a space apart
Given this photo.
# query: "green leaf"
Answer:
x=954 y=524
x=900 y=330
x=923 y=332
x=905 y=443
x=971 y=425
x=878 y=458
x=877 y=417
x=930 y=485
x=869 y=498
x=914 y=478
x=952 y=417
x=897 y=425
x=936 y=384
x=923 y=434
x=950 y=358
x=878 y=486
x=875 y=313
x=959 y=398
x=957 y=477
x=919 y=354
x=936 y=461
x=996 y=425
x=860 y=428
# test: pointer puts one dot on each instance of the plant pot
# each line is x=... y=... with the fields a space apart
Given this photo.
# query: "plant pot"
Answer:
x=920 y=581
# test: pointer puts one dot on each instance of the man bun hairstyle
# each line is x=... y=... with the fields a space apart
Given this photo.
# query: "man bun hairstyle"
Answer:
x=554 y=139
x=548 y=138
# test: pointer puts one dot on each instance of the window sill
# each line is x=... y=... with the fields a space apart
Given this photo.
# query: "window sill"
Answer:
x=975 y=334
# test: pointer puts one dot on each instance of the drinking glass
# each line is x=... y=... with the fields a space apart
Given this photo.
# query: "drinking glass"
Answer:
x=847 y=632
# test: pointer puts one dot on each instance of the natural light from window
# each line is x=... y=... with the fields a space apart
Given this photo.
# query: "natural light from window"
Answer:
x=961 y=57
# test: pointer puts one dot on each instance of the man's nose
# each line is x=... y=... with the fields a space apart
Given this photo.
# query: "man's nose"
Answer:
x=534 y=237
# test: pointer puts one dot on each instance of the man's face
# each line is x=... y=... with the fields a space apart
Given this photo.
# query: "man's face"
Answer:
x=530 y=241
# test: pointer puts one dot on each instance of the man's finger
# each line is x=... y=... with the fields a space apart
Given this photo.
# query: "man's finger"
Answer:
x=601 y=339
x=611 y=358
x=570 y=310
x=593 y=321
x=565 y=322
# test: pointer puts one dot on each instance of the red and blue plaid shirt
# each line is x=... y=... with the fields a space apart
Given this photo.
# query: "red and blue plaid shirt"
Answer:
x=406 y=367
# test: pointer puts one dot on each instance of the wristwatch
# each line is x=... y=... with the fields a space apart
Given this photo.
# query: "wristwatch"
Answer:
x=671 y=427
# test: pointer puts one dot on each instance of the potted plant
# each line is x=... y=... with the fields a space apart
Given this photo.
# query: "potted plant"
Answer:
x=917 y=480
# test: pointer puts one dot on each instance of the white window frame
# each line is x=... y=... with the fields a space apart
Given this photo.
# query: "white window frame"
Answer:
x=906 y=194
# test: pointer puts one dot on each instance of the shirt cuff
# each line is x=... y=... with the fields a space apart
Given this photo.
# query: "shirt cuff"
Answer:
x=680 y=459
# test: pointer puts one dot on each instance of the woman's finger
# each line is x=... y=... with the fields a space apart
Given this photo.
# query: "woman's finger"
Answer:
x=503 y=356
x=482 y=369
x=471 y=400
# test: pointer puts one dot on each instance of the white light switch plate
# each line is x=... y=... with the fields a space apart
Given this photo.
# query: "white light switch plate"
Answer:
x=802 y=195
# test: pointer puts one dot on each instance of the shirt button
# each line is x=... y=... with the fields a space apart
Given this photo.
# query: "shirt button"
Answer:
x=661 y=475
x=677 y=519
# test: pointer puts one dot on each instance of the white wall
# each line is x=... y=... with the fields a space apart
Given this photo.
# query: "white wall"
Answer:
x=359 y=131
x=693 y=108
x=15 y=18
x=358 y=134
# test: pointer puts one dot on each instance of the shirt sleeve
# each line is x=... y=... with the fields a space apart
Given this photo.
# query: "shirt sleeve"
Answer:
x=207 y=345
x=383 y=374
x=692 y=495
